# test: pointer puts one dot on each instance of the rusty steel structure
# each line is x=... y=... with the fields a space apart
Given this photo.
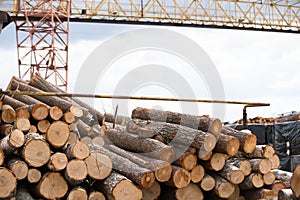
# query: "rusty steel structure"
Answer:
x=43 y=25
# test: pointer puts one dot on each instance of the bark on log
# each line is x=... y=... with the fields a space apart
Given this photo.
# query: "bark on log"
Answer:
x=180 y=177
x=261 y=165
x=204 y=155
x=191 y=192
x=8 y=114
x=207 y=183
x=243 y=164
x=151 y=193
x=260 y=194
x=12 y=102
x=216 y=162
x=78 y=150
x=254 y=180
x=283 y=176
x=269 y=178
x=18 y=167
x=58 y=161
x=33 y=175
x=173 y=133
x=223 y=188
x=197 y=174
x=95 y=195
x=8 y=183
x=78 y=193
x=58 y=134
x=277 y=186
x=197 y=122
x=99 y=165
x=247 y=140
x=261 y=151
x=22 y=124
x=75 y=172
x=295 y=181
x=137 y=144
x=118 y=187
x=12 y=141
x=55 y=113
x=275 y=160
x=137 y=174
x=232 y=174
x=5 y=129
x=227 y=144
x=286 y=194
x=187 y=161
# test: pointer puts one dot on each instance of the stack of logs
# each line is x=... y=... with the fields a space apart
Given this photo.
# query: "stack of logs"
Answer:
x=257 y=120
x=61 y=148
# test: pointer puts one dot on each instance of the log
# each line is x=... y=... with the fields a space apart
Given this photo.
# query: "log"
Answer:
x=180 y=177
x=276 y=186
x=275 y=161
x=232 y=174
x=58 y=134
x=33 y=175
x=32 y=129
x=5 y=129
x=283 y=176
x=151 y=193
x=261 y=165
x=191 y=192
x=36 y=151
x=8 y=114
x=243 y=164
x=22 y=112
x=173 y=133
x=39 y=111
x=223 y=188
x=69 y=117
x=55 y=113
x=216 y=162
x=75 y=172
x=293 y=117
x=99 y=165
x=295 y=181
x=87 y=140
x=22 y=124
x=12 y=141
x=18 y=167
x=254 y=180
x=197 y=174
x=137 y=174
x=14 y=103
x=27 y=100
x=207 y=183
x=269 y=178
x=43 y=126
x=236 y=194
x=2 y=157
x=187 y=161
x=137 y=144
x=73 y=138
x=203 y=123
x=8 y=183
x=51 y=186
x=261 y=151
x=99 y=141
x=286 y=194
x=227 y=144
x=78 y=193
x=247 y=140
x=204 y=155
x=95 y=195
x=259 y=194
x=78 y=150
x=57 y=162
x=118 y=187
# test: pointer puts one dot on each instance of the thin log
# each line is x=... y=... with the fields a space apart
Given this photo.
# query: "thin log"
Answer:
x=260 y=194
x=295 y=181
x=243 y=164
x=33 y=175
x=95 y=195
x=73 y=138
x=22 y=124
x=286 y=194
x=43 y=125
x=32 y=129
x=39 y=111
x=207 y=183
x=22 y=112
x=8 y=114
x=254 y=180
x=57 y=162
x=55 y=113
x=8 y=183
x=58 y=134
x=197 y=174
x=227 y=144
x=77 y=150
x=12 y=141
x=18 y=167
x=216 y=162
x=180 y=177
x=269 y=178
x=75 y=172
x=232 y=173
x=261 y=151
x=69 y=117
x=99 y=165
x=204 y=155
x=78 y=193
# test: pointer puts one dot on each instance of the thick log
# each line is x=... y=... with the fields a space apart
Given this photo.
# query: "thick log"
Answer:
x=269 y=178
x=227 y=144
x=216 y=162
x=134 y=143
x=95 y=195
x=78 y=193
x=232 y=173
x=18 y=167
x=247 y=140
x=253 y=181
x=8 y=183
x=137 y=174
x=12 y=141
x=286 y=194
x=187 y=161
x=39 y=111
x=58 y=134
x=43 y=125
x=2 y=157
x=283 y=176
x=55 y=113
x=180 y=177
x=22 y=124
x=14 y=103
x=33 y=175
x=191 y=192
x=203 y=123
x=173 y=133
x=243 y=164
x=151 y=193
x=99 y=165
x=118 y=187
x=5 y=129
x=259 y=194
x=197 y=174
x=57 y=162
x=295 y=181
x=51 y=186
x=261 y=165
x=77 y=150
x=36 y=151
x=207 y=183
x=223 y=188
x=275 y=161
x=8 y=114
x=75 y=172
x=204 y=155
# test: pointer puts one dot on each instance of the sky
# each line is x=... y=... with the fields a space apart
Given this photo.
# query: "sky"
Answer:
x=253 y=66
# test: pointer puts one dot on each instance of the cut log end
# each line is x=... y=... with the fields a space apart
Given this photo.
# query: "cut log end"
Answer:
x=245 y=166
x=43 y=125
x=181 y=178
x=275 y=161
x=99 y=166
x=19 y=169
x=58 y=134
x=76 y=111
x=217 y=161
x=16 y=138
x=215 y=126
x=147 y=180
x=8 y=183
x=265 y=166
x=163 y=172
x=23 y=124
x=36 y=153
x=207 y=183
x=167 y=154
x=191 y=192
x=269 y=178
x=125 y=190
x=95 y=195
x=39 y=111
x=209 y=142
x=250 y=144
x=225 y=190
x=295 y=181
x=78 y=193
x=232 y=146
x=197 y=174
x=34 y=175
x=58 y=161
x=52 y=186
x=76 y=171
x=55 y=113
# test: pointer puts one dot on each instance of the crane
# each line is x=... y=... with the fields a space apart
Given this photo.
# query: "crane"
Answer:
x=42 y=26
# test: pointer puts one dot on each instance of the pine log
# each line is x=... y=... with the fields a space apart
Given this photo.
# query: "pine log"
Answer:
x=207 y=183
x=23 y=192
x=5 y=129
x=58 y=134
x=22 y=124
x=2 y=157
x=276 y=186
x=247 y=140
x=39 y=111
x=187 y=161
x=275 y=161
x=197 y=173
x=57 y=162
x=51 y=186
x=180 y=177
x=33 y=175
x=8 y=114
x=55 y=113
x=259 y=194
x=77 y=150
x=69 y=117
x=227 y=144
x=78 y=193
x=118 y=187
x=254 y=180
x=76 y=172
x=243 y=164
x=98 y=165
x=261 y=165
x=232 y=173
x=18 y=167
x=173 y=133
x=8 y=183
x=43 y=125
x=190 y=192
x=283 y=176
x=151 y=193
x=216 y=162
x=203 y=123
x=95 y=195
x=137 y=144
x=269 y=178
x=286 y=194
x=14 y=103
x=22 y=112
x=223 y=188
x=12 y=141
x=137 y=174
x=295 y=181
x=204 y=155
x=36 y=151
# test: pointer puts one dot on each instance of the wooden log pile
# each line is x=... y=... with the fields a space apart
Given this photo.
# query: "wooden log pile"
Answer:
x=257 y=120
x=60 y=148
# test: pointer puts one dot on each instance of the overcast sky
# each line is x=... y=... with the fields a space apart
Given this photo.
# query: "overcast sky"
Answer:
x=254 y=66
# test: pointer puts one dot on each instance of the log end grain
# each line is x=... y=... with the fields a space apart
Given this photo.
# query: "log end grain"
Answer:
x=76 y=171
x=197 y=174
x=232 y=146
x=265 y=166
x=181 y=178
x=36 y=153
x=8 y=183
x=207 y=183
x=76 y=111
x=34 y=175
x=269 y=178
x=147 y=179
x=275 y=161
x=189 y=161
x=52 y=186
x=78 y=193
x=8 y=114
x=191 y=192
x=167 y=154
x=225 y=190
x=209 y=142
x=95 y=195
x=16 y=138
x=151 y=193
x=250 y=144
x=43 y=125
x=69 y=117
x=99 y=166
x=237 y=176
x=55 y=113
x=23 y=124
x=163 y=172
x=58 y=161
x=245 y=166
x=204 y=155
x=39 y=111
x=217 y=161
x=125 y=190
x=215 y=126
x=19 y=169
x=58 y=134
